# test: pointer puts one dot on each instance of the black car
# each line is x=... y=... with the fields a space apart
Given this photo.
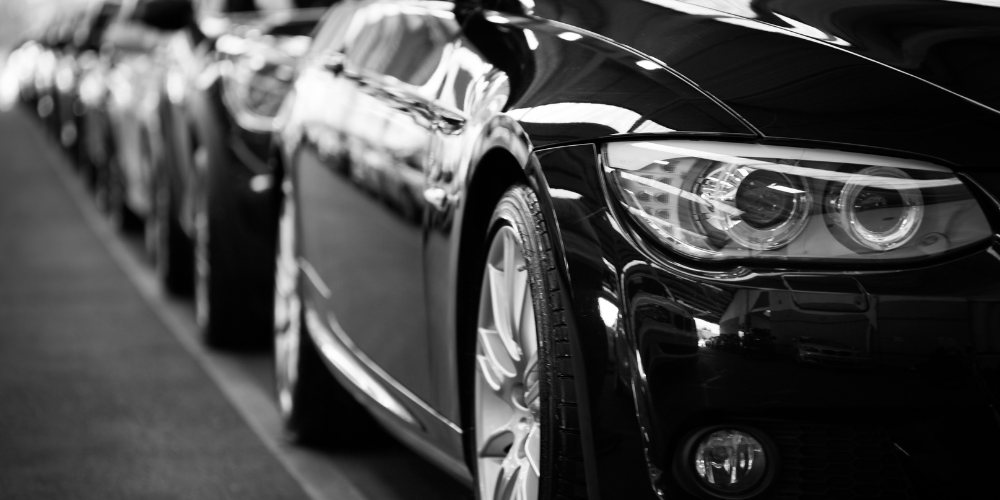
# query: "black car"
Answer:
x=82 y=105
x=224 y=73
x=504 y=224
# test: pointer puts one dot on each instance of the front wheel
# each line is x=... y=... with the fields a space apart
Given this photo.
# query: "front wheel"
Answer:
x=526 y=435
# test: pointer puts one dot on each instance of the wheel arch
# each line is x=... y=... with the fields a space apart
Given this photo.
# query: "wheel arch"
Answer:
x=497 y=169
x=495 y=172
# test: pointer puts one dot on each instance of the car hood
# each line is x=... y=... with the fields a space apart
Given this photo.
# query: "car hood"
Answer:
x=952 y=44
x=919 y=77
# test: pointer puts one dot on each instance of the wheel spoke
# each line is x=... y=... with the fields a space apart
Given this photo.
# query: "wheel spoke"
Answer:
x=500 y=295
x=516 y=283
x=532 y=387
x=497 y=353
x=533 y=449
x=490 y=376
x=508 y=384
x=529 y=484
x=506 y=484
x=497 y=444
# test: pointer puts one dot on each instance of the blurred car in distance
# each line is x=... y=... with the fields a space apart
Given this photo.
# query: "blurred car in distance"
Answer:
x=224 y=76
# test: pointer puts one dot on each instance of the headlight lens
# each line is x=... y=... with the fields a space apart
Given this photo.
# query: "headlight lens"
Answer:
x=877 y=217
x=718 y=201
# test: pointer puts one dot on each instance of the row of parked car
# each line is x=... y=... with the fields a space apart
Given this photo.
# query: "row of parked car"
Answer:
x=144 y=106
x=526 y=235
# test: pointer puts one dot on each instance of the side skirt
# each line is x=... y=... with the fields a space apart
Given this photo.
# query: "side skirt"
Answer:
x=403 y=414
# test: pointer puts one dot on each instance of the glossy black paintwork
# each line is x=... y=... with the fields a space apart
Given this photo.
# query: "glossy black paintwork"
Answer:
x=789 y=85
x=951 y=44
x=916 y=339
x=898 y=419
x=564 y=90
x=226 y=94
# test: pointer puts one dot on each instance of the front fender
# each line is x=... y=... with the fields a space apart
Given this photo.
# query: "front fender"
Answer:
x=607 y=377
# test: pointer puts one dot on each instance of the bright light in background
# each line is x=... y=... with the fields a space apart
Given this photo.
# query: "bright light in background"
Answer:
x=21 y=17
x=710 y=329
x=10 y=84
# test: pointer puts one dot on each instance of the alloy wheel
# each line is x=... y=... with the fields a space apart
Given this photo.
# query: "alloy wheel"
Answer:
x=507 y=386
x=287 y=313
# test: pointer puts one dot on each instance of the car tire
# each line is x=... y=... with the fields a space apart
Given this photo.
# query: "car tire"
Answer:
x=99 y=147
x=122 y=216
x=232 y=264
x=168 y=246
x=315 y=408
x=525 y=436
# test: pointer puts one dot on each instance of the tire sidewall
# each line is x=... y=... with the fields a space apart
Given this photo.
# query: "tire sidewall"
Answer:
x=514 y=210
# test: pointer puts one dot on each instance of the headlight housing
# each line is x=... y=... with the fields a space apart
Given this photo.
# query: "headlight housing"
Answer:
x=720 y=201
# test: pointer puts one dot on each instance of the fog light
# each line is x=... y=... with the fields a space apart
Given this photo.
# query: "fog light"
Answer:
x=730 y=463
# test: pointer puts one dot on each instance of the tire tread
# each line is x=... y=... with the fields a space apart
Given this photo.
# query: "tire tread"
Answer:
x=569 y=479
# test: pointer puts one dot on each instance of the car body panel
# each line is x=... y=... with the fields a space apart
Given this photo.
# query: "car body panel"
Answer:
x=950 y=44
x=223 y=79
x=790 y=85
x=917 y=325
x=463 y=130
x=534 y=109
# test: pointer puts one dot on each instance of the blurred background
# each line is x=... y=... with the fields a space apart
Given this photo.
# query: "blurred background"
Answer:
x=20 y=17
x=108 y=391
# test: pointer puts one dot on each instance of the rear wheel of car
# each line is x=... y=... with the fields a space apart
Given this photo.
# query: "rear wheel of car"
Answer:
x=232 y=264
x=526 y=435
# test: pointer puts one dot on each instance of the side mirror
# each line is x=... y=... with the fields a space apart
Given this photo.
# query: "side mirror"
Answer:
x=167 y=15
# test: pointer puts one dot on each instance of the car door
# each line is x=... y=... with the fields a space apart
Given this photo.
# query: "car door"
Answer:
x=361 y=180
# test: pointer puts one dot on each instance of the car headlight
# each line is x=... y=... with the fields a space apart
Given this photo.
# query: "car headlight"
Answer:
x=718 y=201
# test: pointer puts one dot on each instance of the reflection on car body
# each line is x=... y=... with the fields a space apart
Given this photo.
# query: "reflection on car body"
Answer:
x=829 y=352
x=634 y=249
x=712 y=225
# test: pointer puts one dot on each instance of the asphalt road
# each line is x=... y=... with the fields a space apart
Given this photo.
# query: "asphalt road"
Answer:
x=105 y=390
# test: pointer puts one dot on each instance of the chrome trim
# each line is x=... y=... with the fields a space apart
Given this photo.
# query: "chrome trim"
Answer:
x=341 y=336
x=314 y=278
x=343 y=360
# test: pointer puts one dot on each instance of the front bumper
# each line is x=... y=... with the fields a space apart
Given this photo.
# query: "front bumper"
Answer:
x=902 y=410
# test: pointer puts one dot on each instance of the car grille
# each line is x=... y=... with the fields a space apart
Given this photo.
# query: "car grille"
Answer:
x=834 y=462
